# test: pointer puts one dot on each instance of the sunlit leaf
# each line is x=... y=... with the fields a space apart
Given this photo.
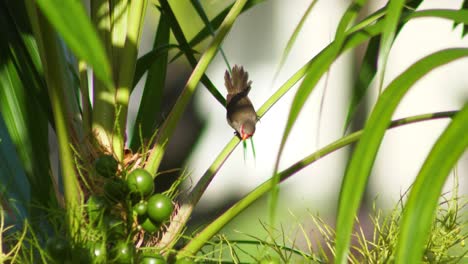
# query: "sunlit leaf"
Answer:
x=70 y=20
x=360 y=165
x=418 y=214
x=391 y=20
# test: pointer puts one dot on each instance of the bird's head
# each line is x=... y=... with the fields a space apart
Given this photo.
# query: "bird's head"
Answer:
x=247 y=130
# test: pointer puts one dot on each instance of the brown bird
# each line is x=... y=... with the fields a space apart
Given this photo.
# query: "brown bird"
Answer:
x=241 y=114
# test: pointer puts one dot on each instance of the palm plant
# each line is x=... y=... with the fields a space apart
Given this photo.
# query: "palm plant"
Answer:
x=66 y=76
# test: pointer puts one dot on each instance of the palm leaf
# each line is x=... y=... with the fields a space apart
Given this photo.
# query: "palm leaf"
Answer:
x=392 y=18
x=24 y=103
x=360 y=165
x=421 y=206
x=70 y=20
x=151 y=100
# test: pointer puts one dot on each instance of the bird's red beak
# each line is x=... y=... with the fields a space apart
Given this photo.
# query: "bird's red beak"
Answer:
x=244 y=135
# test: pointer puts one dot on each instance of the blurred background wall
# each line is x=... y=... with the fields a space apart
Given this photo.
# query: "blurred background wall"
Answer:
x=257 y=41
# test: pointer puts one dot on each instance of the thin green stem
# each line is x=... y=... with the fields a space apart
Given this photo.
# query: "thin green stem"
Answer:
x=169 y=125
x=200 y=240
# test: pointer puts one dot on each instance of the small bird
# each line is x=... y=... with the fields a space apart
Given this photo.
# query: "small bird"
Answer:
x=241 y=114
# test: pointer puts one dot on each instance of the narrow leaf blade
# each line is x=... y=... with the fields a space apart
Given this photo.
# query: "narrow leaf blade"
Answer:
x=360 y=165
x=151 y=100
x=422 y=202
x=364 y=79
x=70 y=20
x=293 y=38
x=24 y=103
x=392 y=18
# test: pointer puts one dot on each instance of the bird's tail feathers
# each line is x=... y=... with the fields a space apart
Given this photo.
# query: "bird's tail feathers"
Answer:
x=238 y=82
